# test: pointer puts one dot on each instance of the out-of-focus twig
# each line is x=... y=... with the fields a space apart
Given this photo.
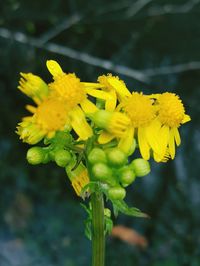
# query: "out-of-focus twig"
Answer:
x=66 y=24
x=165 y=70
x=136 y=7
x=172 y=9
x=143 y=76
x=71 y=53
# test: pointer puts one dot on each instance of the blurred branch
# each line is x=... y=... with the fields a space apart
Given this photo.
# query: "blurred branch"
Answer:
x=165 y=70
x=77 y=55
x=66 y=24
x=110 y=8
x=173 y=9
x=136 y=7
x=143 y=76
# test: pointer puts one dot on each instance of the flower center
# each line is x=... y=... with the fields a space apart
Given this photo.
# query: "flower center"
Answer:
x=140 y=109
x=51 y=115
x=171 y=110
x=69 y=87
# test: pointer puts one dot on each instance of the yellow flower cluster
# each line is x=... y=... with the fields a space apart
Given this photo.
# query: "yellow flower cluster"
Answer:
x=152 y=120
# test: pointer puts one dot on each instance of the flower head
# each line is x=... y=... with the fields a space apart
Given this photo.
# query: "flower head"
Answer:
x=170 y=116
x=140 y=110
x=33 y=86
x=67 y=86
x=171 y=111
x=49 y=116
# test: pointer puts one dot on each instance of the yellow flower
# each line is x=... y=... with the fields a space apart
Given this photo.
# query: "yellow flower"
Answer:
x=170 y=116
x=78 y=177
x=49 y=116
x=115 y=87
x=61 y=105
x=139 y=108
x=33 y=86
x=69 y=88
x=136 y=116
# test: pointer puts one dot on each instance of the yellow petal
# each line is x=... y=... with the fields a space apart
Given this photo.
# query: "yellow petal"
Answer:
x=31 y=108
x=163 y=138
x=143 y=144
x=105 y=137
x=98 y=94
x=171 y=144
x=90 y=85
x=119 y=86
x=152 y=135
x=54 y=68
x=88 y=107
x=111 y=103
x=186 y=119
x=177 y=136
x=126 y=141
x=79 y=123
x=157 y=157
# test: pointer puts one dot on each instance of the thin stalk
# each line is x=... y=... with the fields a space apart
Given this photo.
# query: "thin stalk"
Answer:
x=98 y=237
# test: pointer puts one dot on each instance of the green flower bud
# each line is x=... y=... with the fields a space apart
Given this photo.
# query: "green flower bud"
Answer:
x=62 y=158
x=132 y=148
x=97 y=155
x=141 y=167
x=35 y=155
x=116 y=193
x=127 y=176
x=101 y=172
x=107 y=212
x=116 y=157
x=101 y=118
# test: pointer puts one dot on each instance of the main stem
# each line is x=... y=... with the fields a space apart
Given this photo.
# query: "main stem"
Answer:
x=98 y=237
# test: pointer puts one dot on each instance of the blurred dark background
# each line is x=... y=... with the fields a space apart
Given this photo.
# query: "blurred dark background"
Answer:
x=154 y=46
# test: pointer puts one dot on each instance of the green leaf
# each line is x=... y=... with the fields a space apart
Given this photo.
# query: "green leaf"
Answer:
x=121 y=206
x=88 y=221
x=108 y=225
x=88 y=228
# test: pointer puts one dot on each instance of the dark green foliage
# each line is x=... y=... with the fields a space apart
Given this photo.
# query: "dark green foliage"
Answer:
x=41 y=219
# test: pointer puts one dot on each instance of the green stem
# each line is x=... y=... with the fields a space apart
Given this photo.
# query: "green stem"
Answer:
x=98 y=237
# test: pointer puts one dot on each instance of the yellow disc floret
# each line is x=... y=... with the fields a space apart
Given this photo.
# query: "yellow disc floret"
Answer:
x=69 y=87
x=51 y=115
x=140 y=109
x=171 y=110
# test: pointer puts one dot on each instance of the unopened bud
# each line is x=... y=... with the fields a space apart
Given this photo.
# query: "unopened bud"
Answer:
x=107 y=212
x=62 y=158
x=127 y=176
x=132 y=148
x=101 y=172
x=35 y=155
x=116 y=193
x=116 y=157
x=141 y=167
x=97 y=155
x=101 y=118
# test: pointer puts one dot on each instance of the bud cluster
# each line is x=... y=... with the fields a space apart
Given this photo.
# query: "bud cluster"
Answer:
x=111 y=166
x=57 y=151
